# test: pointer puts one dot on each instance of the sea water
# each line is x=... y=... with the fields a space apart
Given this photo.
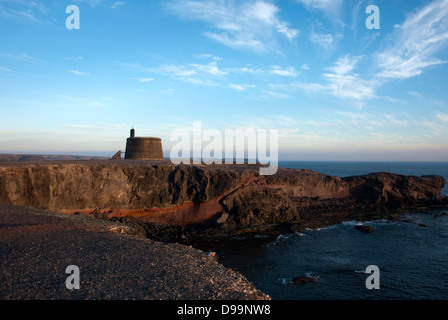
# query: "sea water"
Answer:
x=411 y=254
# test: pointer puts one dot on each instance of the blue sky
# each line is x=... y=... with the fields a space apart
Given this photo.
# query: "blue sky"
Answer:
x=334 y=89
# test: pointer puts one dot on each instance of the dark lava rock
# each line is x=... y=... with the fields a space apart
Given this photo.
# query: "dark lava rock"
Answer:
x=231 y=196
x=365 y=229
x=422 y=225
x=443 y=214
x=302 y=280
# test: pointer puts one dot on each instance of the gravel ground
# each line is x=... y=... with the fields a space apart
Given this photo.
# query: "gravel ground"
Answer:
x=37 y=246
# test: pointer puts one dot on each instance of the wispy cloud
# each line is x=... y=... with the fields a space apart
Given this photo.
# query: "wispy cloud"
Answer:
x=174 y=70
x=19 y=15
x=211 y=68
x=395 y=121
x=435 y=124
x=210 y=74
x=74 y=58
x=241 y=87
x=322 y=38
x=4 y=69
x=279 y=71
x=145 y=79
x=415 y=43
x=443 y=117
x=344 y=83
x=79 y=73
x=200 y=81
x=92 y=3
x=26 y=11
x=276 y=94
x=241 y=25
x=341 y=81
x=410 y=48
x=325 y=5
x=118 y=4
x=20 y=57
x=79 y=100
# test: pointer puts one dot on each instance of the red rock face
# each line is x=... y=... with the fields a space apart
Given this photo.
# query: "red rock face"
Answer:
x=233 y=195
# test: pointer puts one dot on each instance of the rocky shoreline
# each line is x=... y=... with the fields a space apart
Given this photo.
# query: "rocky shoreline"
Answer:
x=229 y=196
x=165 y=206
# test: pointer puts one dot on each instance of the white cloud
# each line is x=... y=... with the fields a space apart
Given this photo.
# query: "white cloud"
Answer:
x=344 y=65
x=275 y=94
x=246 y=70
x=241 y=87
x=442 y=117
x=92 y=3
x=210 y=68
x=79 y=100
x=326 y=5
x=437 y=125
x=27 y=11
x=20 y=57
x=192 y=69
x=118 y=4
x=74 y=58
x=339 y=81
x=174 y=70
x=310 y=87
x=346 y=84
x=198 y=81
x=4 y=69
x=278 y=71
x=393 y=120
x=241 y=25
x=415 y=42
x=145 y=79
x=324 y=40
x=79 y=73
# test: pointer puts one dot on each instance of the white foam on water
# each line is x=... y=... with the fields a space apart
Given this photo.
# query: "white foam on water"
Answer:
x=353 y=223
x=312 y=274
x=359 y=271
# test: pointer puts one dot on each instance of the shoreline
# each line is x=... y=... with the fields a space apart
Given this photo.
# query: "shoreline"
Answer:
x=156 y=207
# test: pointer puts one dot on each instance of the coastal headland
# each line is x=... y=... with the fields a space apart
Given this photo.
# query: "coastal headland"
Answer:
x=168 y=203
x=225 y=197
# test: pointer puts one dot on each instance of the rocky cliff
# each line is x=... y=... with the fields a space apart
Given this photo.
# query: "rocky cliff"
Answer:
x=231 y=196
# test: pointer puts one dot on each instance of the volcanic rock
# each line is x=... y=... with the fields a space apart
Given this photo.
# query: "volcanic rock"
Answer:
x=364 y=229
x=229 y=196
x=302 y=280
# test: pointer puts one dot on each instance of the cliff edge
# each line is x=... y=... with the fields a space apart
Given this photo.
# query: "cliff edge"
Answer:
x=229 y=196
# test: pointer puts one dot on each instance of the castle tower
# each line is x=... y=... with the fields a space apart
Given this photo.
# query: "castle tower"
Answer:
x=142 y=148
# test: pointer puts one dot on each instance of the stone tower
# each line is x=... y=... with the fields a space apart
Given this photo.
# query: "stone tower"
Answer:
x=142 y=148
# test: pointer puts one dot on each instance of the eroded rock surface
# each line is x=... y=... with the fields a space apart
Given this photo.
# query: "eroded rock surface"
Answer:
x=232 y=196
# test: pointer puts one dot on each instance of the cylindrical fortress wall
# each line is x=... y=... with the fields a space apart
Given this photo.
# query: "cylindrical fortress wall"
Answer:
x=144 y=149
